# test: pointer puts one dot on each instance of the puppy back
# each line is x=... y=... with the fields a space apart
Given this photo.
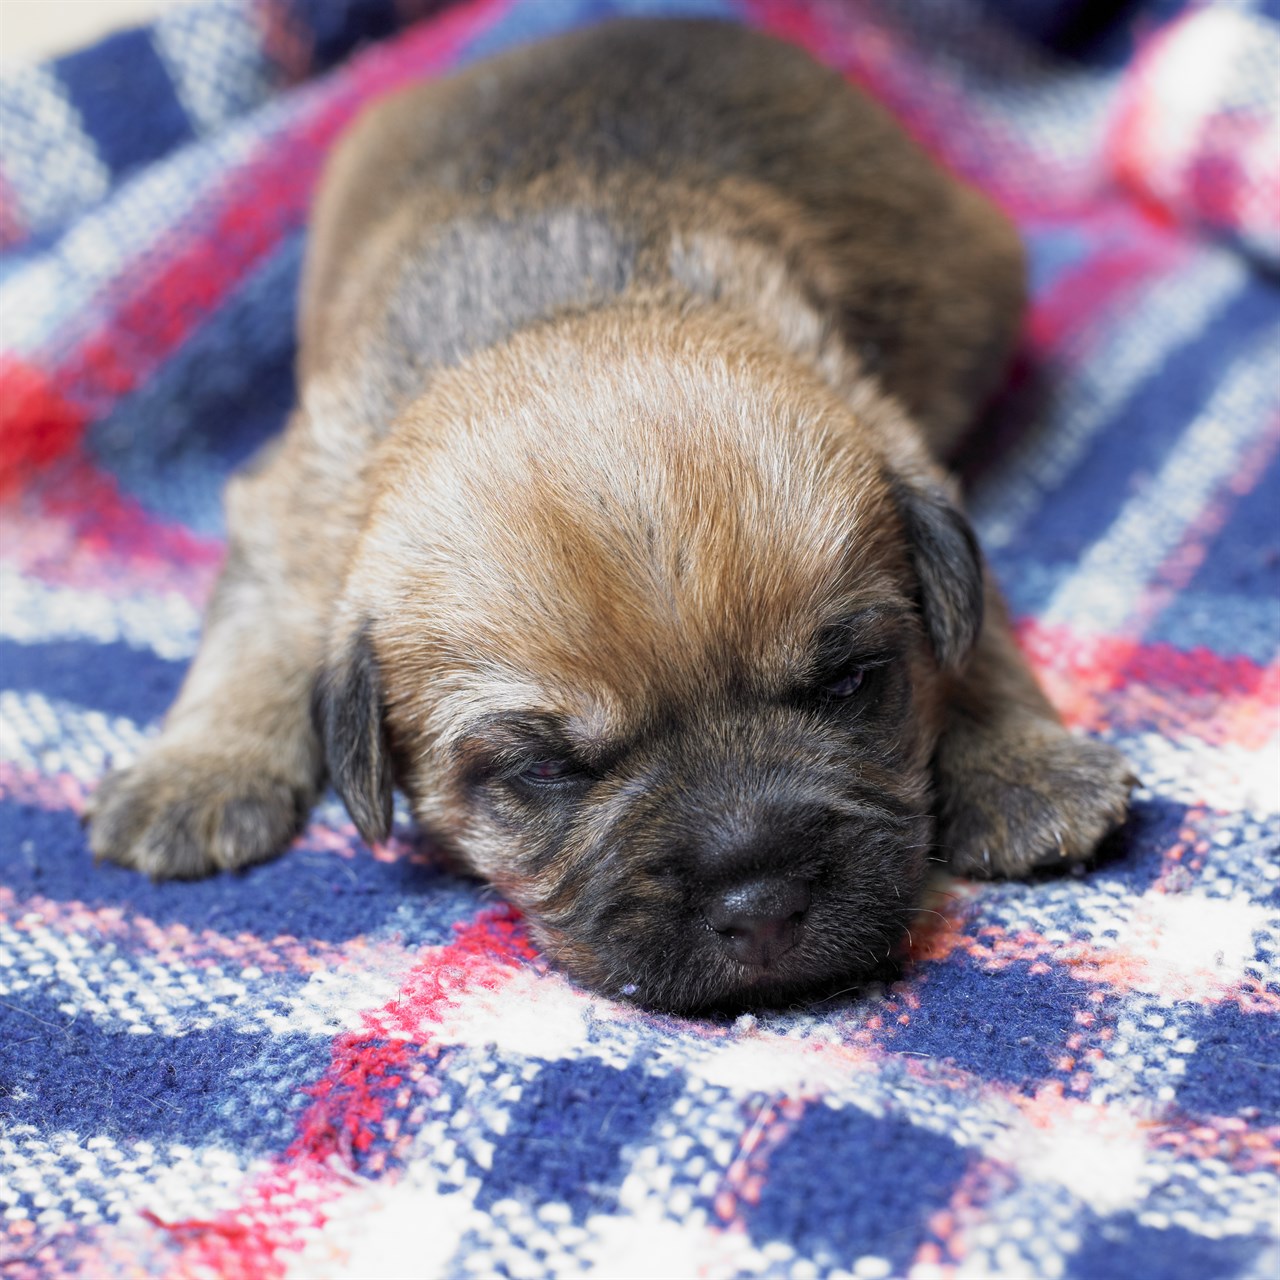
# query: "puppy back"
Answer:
x=590 y=155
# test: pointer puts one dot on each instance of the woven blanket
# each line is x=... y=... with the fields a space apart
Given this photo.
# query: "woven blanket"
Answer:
x=349 y=1062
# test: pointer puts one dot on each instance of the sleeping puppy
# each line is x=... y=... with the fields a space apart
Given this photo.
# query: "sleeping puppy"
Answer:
x=611 y=528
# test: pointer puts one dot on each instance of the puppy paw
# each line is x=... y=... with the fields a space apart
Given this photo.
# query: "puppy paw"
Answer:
x=180 y=815
x=1032 y=797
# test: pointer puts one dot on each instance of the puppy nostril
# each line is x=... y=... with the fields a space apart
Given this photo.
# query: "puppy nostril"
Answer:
x=758 y=921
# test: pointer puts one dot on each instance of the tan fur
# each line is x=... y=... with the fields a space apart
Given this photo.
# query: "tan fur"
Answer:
x=599 y=427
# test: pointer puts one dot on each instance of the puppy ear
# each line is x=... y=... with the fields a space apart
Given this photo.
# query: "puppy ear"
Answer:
x=348 y=713
x=949 y=568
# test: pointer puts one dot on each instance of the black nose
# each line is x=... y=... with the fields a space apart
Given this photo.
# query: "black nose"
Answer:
x=758 y=921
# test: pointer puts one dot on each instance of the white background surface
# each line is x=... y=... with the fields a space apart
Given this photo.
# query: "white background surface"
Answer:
x=34 y=29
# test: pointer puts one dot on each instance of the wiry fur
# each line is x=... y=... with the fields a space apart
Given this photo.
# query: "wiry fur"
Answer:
x=627 y=362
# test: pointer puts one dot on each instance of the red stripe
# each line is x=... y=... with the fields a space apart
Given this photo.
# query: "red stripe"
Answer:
x=81 y=531
x=368 y=1067
x=1110 y=663
x=37 y=423
x=1120 y=684
x=160 y=298
x=365 y=1082
x=1078 y=301
x=13 y=230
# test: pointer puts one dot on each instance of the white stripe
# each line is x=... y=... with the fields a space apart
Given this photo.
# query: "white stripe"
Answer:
x=49 y=160
x=1216 y=60
x=42 y=301
x=1102 y=592
x=74 y=1181
x=1226 y=778
x=136 y=984
x=1199 y=70
x=30 y=613
x=405 y=1226
x=46 y=299
x=122 y=990
x=213 y=53
x=1173 y=312
x=52 y=737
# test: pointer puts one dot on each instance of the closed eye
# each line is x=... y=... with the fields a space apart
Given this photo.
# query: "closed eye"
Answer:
x=551 y=772
x=846 y=684
x=849 y=655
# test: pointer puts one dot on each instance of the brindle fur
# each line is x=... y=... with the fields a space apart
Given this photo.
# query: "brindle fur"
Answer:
x=627 y=363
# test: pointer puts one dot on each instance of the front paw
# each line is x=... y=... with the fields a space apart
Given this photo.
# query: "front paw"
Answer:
x=1032 y=796
x=181 y=814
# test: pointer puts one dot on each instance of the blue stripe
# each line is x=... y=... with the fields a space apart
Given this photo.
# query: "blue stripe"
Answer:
x=174 y=441
x=337 y=29
x=1099 y=33
x=125 y=99
x=1146 y=427
x=305 y=893
x=1236 y=1065
x=1120 y=1248
x=238 y=1087
x=1232 y=626
x=525 y=22
x=1008 y=1024
x=845 y=1184
x=1133 y=860
x=1222 y=614
x=112 y=678
x=564 y=1138
x=1244 y=558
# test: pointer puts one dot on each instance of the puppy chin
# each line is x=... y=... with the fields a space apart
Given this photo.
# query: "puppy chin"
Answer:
x=663 y=951
x=702 y=979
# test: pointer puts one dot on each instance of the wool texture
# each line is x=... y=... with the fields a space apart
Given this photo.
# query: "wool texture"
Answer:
x=347 y=1062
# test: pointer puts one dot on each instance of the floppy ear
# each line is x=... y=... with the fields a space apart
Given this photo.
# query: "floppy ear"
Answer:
x=949 y=568
x=348 y=715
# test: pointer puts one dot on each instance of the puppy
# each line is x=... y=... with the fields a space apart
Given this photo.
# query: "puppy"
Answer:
x=611 y=527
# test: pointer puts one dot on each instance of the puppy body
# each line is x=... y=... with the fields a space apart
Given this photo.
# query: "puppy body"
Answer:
x=611 y=526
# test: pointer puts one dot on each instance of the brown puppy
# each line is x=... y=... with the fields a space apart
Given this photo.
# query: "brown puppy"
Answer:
x=610 y=527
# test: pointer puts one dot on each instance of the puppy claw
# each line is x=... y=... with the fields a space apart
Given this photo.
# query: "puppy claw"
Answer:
x=175 y=815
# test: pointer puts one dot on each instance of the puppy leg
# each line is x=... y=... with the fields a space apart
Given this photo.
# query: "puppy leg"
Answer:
x=1016 y=790
x=237 y=766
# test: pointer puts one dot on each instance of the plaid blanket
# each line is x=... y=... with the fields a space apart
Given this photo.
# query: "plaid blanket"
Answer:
x=350 y=1063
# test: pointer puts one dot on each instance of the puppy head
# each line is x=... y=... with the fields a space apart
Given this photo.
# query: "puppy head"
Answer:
x=651 y=629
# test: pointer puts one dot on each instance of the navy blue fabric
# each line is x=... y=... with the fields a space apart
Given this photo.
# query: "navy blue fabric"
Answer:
x=1098 y=32
x=815 y=1214
x=126 y=100
x=565 y=1130
x=1236 y=1065
x=224 y=1083
x=1244 y=557
x=339 y=29
x=112 y=678
x=228 y=389
x=1007 y=1024
x=294 y=896
x=1121 y=1248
